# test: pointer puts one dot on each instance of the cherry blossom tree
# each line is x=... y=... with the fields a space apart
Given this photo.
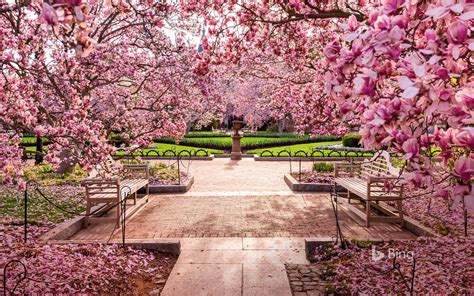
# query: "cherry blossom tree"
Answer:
x=135 y=83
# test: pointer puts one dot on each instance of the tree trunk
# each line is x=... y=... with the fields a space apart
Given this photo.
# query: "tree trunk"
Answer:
x=66 y=165
x=281 y=125
x=39 y=150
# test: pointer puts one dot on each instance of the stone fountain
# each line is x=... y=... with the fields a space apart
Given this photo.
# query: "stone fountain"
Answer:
x=236 y=154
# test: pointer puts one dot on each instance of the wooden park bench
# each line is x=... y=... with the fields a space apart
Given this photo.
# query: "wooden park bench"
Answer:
x=111 y=192
x=367 y=181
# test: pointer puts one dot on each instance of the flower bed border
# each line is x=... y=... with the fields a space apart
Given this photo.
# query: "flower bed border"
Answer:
x=172 y=188
x=316 y=187
x=306 y=158
x=154 y=157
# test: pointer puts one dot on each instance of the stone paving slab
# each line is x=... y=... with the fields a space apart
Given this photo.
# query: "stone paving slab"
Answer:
x=204 y=279
x=211 y=243
x=265 y=279
x=221 y=266
x=225 y=175
x=277 y=243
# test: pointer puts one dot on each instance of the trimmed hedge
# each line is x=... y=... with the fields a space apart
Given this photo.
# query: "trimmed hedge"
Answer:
x=247 y=143
x=205 y=135
x=351 y=140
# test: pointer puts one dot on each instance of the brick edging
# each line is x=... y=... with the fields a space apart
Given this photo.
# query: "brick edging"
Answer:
x=314 y=187
x=172 y=188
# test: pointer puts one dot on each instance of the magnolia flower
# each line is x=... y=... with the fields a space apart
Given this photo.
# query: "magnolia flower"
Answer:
x=411 y=148
x=466 y=96
x=466 y=138
x=415 y=178
x=364 y=85
x=457 y=32
x=332 y=51
x=49 y=14
x=464 y=167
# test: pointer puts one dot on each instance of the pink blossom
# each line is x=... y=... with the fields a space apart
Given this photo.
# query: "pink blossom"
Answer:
x=464 y=167
x=457 y=32
x=411 y=148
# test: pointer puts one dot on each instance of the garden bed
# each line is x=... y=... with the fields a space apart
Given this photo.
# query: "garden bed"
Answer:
x=164 y=179
x=442 y=267
x=172 y=187
x=310 y=181
x=437 y=213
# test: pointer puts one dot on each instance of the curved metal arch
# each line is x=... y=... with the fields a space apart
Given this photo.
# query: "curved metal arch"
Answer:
x=288 y=152
x=316 y=151
x=165 y=153
x=153 y=151
x=184 y=151
x=266 y=151
x=297 y=153
x=196 y=152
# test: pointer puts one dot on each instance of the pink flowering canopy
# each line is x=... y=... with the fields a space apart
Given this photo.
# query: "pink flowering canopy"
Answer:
x=77 y=71
x=124 y=78
x=400 y=69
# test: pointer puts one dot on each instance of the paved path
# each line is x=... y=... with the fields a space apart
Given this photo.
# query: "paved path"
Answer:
x=246 y=176
x=238 y=225
x=234 y=266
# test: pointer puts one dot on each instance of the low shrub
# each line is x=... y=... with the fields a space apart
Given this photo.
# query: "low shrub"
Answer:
x=351 y=140
x=162 y=171
x=323 y=167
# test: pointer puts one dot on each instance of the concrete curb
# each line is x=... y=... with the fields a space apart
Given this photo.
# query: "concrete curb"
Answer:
x=208 y=158
x=286 y=158
x=170 y=246
x=316 y=187
x=172 y=188
x=67 y=228
x=414 y=226
x=227 y=155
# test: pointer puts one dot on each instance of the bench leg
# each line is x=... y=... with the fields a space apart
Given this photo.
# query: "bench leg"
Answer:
x=88 y=212
x=400 y=213
x=147 y=191
x=367 y=213
x=135 y=198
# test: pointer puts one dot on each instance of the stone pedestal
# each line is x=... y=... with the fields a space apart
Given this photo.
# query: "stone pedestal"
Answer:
x=236 y=154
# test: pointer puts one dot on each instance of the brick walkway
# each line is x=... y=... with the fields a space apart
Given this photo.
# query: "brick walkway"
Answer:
x=241 y=199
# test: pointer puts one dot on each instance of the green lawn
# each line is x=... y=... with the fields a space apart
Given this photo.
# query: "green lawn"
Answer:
x=39 y=209
x=162 y=148
x=308 y=148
